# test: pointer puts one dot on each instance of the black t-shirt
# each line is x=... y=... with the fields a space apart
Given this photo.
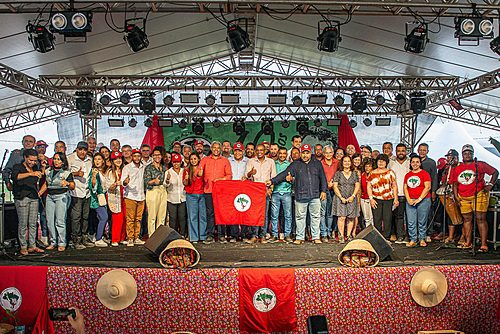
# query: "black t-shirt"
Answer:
x=55 y=189
x=27 y=187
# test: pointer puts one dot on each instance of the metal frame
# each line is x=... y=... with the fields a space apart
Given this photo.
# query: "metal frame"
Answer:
x=89 y=127
x=408 y=130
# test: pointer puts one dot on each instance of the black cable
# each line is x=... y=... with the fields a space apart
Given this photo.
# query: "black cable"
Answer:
x=222 y=13
x=290 y=13
x=215 y=16
x=115 y=29
x=323 y=16
x=111 y=16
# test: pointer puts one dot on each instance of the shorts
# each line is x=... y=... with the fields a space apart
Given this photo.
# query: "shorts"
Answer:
x=467 y=203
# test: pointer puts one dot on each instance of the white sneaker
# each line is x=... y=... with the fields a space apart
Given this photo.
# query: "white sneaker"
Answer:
x=130 y=243
x=44 y=241
x=139 y=242
x=114 y=244
x=282 y=236
x=268 y=236
x=428 y=239
x=101 y=243
x=124 y=242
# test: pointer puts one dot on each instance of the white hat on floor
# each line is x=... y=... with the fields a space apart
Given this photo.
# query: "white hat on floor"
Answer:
x=116 y=289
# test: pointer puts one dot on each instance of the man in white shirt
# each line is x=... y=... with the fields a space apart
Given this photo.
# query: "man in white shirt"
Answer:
x=133 y=186
x=400 y=166
x=238 y=164
x=80 y=164
x=146 y=154
x=297 y=143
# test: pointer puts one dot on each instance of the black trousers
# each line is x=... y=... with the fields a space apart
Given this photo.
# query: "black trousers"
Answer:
x=79 y=214
x=398 y=222
x=177 y=214
x=209 y=204
x=383 y=213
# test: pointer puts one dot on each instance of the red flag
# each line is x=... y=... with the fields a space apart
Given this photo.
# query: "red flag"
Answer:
x=346 y=134
x=267 y=300
x=239 y=202
x=154 y=134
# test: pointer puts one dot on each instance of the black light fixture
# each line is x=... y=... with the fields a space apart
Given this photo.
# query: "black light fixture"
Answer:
x=285 y=124
x=267 y=126
x=71 y=23
x=338 y=100
x=329 y=38
x=168 y=100
x=116 y=122
x=147 y=102
x=276 y=99
x=417 y=102
x=165 y=122
x=353 y=123
x=198 y=127
x=383 y=121
x=358 y=102
x=400 y=99
x=417 y=39
x=236 y=36
x=302 y=126
x=84 y=102
x=216 y=123
x=367 y=122
x=189 y=98
x=495 y=45
x=317 y=122
x=473 y=28
x=148 y=122
x=43 y=40
x=334 y=121
x=182 y=123
x=229 y=98
x=297 y=101
x=239 y=126
x=105 y=100
x=132 y=122
x=135 y=36
x=379 y=99
x=210 y=100
x=317 y=98
x=125 y=98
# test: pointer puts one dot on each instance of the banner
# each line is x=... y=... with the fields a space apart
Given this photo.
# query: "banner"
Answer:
x=267 y=300
x=239 y=202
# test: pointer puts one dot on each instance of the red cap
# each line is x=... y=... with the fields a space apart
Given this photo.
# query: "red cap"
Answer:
x=136 y=150
x=305 y=147
x=238 y=146
x=115 y=155
x=441 y=163
x=198 y=142
x=265 y=142
x=176 y=157
x=176 y=143
x=41 y=143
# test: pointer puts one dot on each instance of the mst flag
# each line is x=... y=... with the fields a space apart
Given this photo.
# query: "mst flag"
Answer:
x=267 y=300
x=239 y=202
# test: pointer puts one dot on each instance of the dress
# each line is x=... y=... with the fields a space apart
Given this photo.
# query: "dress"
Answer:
x=346 y=188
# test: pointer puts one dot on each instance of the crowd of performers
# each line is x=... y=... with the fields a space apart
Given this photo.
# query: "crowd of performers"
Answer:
x=106 y=196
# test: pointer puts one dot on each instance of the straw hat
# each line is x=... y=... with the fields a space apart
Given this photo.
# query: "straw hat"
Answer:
x=6 y=328
x=358 y=245
x=428 y=287
x=116 y=289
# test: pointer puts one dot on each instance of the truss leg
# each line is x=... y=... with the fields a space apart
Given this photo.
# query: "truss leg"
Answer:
x=408 y=127
x=89 y=127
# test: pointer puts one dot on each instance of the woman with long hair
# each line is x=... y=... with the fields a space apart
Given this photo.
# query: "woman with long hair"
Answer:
x=176 y=195
x=59 y=180
x=345 y=203
x=366 y=209
x=417 y=186
x=339 y=153
x=116 y=200
x=97 y=186
x=156 y=192
x=356 y=162
x=195 y=200
x=106 y=153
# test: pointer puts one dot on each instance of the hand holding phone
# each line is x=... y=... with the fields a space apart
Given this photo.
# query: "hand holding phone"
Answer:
x=61 y=314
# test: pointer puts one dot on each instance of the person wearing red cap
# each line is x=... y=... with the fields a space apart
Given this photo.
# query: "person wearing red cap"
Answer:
x=310 y=186
x=133 y=181
x=238 y=164
x=199 y=147
x=176 y=195
x=444 y=175
x=156 y=192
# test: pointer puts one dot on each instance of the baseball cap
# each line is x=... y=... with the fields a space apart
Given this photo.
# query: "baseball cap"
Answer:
x=305 y=147
x=198 y=142
x=176 y=157
x=238 y=146
x=467 y=147
x=136 y=150
x=265 y=142
x=115 y=155
x=452 y=152
x=83 y=145
x=41 y=143
x=441 y=163
x=176 y=143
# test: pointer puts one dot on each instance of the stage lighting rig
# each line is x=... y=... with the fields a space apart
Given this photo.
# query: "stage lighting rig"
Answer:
x=43 y=40
x=210 y=100
x=71 y=23
x=239 y=126
x=285 y=124
x=148 y=122
x=135 y=36
x=198 y=127
x=216 y=123
x=379 y=100
x=417 y=102
x=168 y=100
x=329 y=38
x=367 y=122
x=125 y=98
x=353 y=123
x=182 y=124
x=302 y=126
x=147 y=102
x=339 y=100
x=400 y=99
x=317 y=122
x=417 y=39
x=105 y=100
x=267 y=126
x=132 y=122
x=358 y=102
x=473 y=28
x=84 y=102
x=236 y=36
x=495 y=45
x=297 y=101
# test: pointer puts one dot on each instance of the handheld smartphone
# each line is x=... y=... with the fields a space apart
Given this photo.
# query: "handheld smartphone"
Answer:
x=61 y=314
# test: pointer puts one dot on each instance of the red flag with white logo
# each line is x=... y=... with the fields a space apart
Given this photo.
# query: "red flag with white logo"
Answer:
x=267 y=300
x=239 y=202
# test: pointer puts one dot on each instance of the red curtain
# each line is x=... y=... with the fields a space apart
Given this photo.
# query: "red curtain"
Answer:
x=346 y=134
x=154 y=134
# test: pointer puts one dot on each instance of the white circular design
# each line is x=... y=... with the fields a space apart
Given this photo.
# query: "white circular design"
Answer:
x=242 y=202
x=11 y=299
x=264 y=300
x=413 y=181
x=466 y=177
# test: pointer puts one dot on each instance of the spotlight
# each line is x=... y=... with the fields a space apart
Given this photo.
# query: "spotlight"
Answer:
x=285 y=124
x=297 y=101
x=105 y=100
x=495 y=45
x=148 y=122
x=317 y=98
x=417 y=39
x=230 y=98
x=267 y=126
x=71 y=24
x=198 y=127
x=472 y=29
x=182 y=124
x=135 y=37
x=353 y=123
x=400 y=99
x=302 y=126
x=132 y=122
x=216 y=123
x=367 y=122
x=42 y=39
x=329 y=39
x=239 y=126
x=317 y=122
x=189 y=98
x=417 y=102
x=358 y=102
x=379 y=100
x=383 y=121
x=116 y=122
x=334 y=121
x=165 y=122
x=210 y=100
x=147 y=102
x=276 y=99
x=339 y=100
x=237 y=37
x=84 y=102
x=125 y=98
x=168 y=100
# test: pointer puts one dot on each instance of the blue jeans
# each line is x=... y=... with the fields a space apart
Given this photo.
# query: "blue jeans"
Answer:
x=417 y=216
x=197 y=217
x=102 y=217
x=43 y=218
x=326 y=215
x=284 y=200
x=260 y=231
x=56 y=207
x=314 y=206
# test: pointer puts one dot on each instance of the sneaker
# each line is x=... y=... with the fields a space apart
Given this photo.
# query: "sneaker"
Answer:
x=393 y=238
x=288 y=239
x=428 y=239
x=400 y=240
x=282 y=236
x=130 y=243
x=411 y=244
x=324 y=239
x=92 y=238
x=268 y=236
x=272 y=239
x=223 y=240
x=139 y=242
x=80 y=246
x=124 y=242
x=232 y=240
x=341 y=239
x=88 y=244
x=100 y=243
x=44 y=241
x=252 y=240
x=298 y=242
x=114 y=244
x=208 y=240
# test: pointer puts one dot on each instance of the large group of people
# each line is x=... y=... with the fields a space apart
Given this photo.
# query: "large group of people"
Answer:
x=110 y=195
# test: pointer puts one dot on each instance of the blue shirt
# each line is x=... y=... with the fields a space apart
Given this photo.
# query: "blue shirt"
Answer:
x=238 y=167
x=285 y=186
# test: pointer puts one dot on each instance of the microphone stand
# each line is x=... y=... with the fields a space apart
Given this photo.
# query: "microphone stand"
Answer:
x=474 y=219
x=2 y=208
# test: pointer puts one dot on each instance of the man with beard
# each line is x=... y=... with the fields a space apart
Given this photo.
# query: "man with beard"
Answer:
x=92 y=142
x=350 y=150
x=473 y=195
x=294 y=154
x=199 y=148
x=296 y=143
x=226 y=149
x=318 y=152
x=429 y=165
x=400 y=166
x=446 y=172
x=60 y=146
x=273 y=151
x=16 y=157
x=250 y=150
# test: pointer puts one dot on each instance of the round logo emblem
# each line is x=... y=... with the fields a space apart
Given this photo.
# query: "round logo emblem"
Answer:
x=264 y=300
x=466 y=177
x=242 y=202
x=11 y=299
x=413 y=181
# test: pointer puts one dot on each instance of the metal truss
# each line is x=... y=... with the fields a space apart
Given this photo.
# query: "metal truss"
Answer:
x=483 y=118
x=89 y=126
x=407 y=133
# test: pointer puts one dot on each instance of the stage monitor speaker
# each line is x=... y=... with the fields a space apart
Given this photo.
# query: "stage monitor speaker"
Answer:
x=10 y=221
x=317 y=324
x=161 y=238
x=377 y=240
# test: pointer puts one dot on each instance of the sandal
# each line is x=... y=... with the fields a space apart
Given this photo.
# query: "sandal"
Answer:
x=50 y=247
x=35 y=250
x=483 y=249
x=23 y=251
x=464 y=246
x=61 y=248
x=449 y=241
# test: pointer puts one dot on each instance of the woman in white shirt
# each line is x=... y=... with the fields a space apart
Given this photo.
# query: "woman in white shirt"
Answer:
x=176 y=196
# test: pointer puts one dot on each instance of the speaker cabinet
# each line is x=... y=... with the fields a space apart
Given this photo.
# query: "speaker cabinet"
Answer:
x=377 y=240
x=161 y=238
x=317 y=324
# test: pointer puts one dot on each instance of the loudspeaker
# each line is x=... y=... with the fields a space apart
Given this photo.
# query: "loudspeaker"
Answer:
x=161 y=238
x=377 y=240
x=317 y=324
x=10 y=221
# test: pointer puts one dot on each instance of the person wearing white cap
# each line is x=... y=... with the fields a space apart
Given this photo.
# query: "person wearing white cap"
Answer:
x=473 y=194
